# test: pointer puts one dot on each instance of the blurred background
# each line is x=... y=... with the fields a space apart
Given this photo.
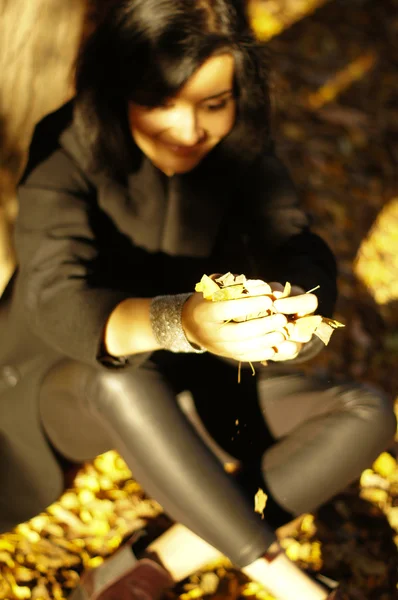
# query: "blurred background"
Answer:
x=335 y=97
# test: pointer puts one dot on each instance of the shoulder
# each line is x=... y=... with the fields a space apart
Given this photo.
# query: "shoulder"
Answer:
x=56 y=156
x=45 y=140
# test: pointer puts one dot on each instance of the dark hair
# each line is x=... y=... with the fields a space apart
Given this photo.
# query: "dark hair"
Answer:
x=146 y=50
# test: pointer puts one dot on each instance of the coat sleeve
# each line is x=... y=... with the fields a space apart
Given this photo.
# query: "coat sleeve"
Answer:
x=279 y=236
x=55 y=247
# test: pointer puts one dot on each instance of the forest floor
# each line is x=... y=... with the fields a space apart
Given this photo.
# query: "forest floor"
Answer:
x=336 y=123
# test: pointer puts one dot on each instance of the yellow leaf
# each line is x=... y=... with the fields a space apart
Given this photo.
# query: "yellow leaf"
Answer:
x=207 y=286
x=324 y=332
x=333 y=323
x=287 y=290
x=303 y=328
x=385 y=464
x=325 y=329
x=229 y=279
x=228 y=293
x=260 y=502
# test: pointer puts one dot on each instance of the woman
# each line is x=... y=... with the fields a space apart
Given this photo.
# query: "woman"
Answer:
x=162 y=170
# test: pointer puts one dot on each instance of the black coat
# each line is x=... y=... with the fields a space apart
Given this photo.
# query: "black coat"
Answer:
x=85 y=242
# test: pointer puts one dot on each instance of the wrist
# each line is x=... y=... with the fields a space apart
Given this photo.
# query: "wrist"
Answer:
x=185 y=321
x=166 y=322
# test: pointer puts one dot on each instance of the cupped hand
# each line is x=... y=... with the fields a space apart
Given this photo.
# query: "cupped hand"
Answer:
x=211 y=326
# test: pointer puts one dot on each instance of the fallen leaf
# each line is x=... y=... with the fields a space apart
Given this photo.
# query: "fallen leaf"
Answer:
x=260 y=502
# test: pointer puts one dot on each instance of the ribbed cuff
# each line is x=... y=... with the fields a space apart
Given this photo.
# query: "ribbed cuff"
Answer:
x=165 y=316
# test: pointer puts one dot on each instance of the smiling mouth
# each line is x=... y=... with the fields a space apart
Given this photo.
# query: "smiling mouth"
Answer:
x=182 y=150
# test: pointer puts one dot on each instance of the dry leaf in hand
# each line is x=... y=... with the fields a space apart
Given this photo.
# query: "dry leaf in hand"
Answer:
x=325 y=329
x=299 y=330
x=302 y=329
x=207 y=286
x=229 y=279
x=232 y=292
x=227 y=287
x=333 y=323
x=233 y=287
x=260 y=502
x=279 y=294
x=287 y=290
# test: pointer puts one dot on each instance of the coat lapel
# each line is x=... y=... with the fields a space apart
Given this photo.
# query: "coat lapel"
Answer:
x=195 y=208
x=138 y=208
x=180 y=216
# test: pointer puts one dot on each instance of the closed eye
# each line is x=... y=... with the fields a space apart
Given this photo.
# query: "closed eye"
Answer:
x=214 y=106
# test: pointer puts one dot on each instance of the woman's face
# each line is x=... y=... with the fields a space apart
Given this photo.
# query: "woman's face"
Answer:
x=179 y=134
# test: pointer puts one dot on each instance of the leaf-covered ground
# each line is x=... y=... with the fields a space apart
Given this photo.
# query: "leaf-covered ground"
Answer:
x=336 y=101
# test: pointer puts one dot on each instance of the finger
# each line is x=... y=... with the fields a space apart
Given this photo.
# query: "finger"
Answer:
x=227 y=310
x=254 y=346
x=255 y=287
x=304 y=304
x=262 y=355
x=278 y=290
x=287 y=351
x=252 y=329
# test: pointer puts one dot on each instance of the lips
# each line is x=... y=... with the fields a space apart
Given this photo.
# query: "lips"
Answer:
x=182 y=150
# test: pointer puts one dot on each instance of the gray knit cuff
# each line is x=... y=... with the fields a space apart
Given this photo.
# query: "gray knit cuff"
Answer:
x=165 y=315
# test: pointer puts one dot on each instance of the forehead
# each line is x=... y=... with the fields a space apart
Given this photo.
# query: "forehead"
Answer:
x=216 y=75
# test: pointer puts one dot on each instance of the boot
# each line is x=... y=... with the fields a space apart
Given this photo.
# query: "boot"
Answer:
x=124 y=577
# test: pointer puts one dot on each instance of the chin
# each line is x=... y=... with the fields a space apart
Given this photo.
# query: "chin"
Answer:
x=181 y=167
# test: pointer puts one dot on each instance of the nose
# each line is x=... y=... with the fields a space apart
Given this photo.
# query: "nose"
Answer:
x=186 y=127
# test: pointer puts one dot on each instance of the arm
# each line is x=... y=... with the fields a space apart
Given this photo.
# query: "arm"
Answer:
x=128 y=330
x=279 y=237
x=283 y=248
x=66 y=303
x=70 y=296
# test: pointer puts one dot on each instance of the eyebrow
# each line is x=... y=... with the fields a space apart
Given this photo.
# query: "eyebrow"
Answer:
x=223 y=93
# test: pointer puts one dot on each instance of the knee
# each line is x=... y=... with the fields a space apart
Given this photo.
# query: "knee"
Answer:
x=106 y=386
x=114 y=390
x=374 y=408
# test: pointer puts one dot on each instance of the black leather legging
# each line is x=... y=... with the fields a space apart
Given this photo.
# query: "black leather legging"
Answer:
x=299 y=439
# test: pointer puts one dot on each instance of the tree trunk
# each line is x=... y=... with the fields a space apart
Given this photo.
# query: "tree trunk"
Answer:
x=38 y=44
